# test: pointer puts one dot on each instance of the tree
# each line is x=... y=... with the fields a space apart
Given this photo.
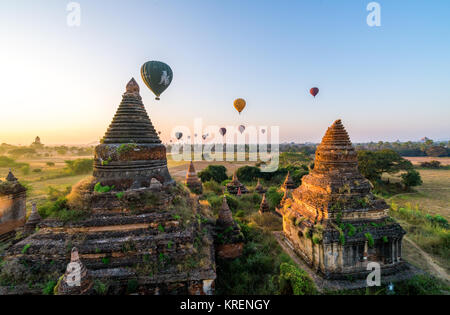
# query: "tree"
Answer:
x=411 y=178
x=217 y=173
x=373 y=164
x=80 y=166
x=436 y=151
x=293 y=280
x=248 y=173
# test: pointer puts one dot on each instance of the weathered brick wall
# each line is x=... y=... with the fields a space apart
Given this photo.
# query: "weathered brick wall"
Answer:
x=12 y=211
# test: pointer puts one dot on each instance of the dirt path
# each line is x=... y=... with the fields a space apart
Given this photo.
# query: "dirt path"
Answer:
x=437 y=269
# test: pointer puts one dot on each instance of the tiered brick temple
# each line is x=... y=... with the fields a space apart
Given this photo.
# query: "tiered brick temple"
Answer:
x=264 y=206
x=235 y=186
x=334 y=222
x=259 y=188
x=131 y=153
x=192 y=181
x=288 y=183
x=133 y=230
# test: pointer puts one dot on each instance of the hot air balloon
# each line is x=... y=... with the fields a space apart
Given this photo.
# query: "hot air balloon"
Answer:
x=159 y=132
x=157 y=76
x=223 y=131
x=241 y=128
x=263 y=131
x=314 y=91
x=204 y=137
x=189 y=137
x=239 y=104
x=178 y=135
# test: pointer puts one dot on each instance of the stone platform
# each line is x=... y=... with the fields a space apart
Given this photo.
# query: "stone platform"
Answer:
x=407 y=271
x=161 y=248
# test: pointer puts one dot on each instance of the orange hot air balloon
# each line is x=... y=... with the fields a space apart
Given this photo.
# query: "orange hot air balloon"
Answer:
x=314 y=91
x=239 y=104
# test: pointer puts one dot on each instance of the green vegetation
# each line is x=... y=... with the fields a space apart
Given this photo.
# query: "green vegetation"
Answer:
x=422 y=284
x=49 y=287
x=430 y=232
x=102 y=189
x=80 y=166
x=294 y=281
x=126 y=147
x=369 y=239
x=100 y=287
x=11 y=163
x=373 y=164
x=258 y=271
x=59 y=209
x=120 y=194
x=25 y=248
x=217 y=173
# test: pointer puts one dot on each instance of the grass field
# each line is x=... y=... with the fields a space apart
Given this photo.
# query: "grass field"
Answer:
x=432 y=197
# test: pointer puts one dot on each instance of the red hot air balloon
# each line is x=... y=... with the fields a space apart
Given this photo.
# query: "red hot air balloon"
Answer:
x=314 y=91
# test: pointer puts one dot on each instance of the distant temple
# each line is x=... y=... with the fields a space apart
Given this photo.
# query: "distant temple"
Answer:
x=37 y=142
x=333 y=221
x=264 y=206
x=235 y=187
x=192 y=181
x=288 y=183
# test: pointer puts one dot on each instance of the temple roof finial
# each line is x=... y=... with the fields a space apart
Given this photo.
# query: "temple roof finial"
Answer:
x=132 y=86
x=11 y=177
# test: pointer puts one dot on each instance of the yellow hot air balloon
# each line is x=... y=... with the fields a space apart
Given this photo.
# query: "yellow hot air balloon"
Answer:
x=239 y=104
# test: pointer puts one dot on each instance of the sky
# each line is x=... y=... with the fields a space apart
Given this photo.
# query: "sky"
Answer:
x=386 y=83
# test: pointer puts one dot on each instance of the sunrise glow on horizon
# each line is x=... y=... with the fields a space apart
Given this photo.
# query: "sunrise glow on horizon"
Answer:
x=64 y=84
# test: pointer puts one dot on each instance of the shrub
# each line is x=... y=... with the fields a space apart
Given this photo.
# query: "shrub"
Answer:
x=431 y=164
x=22 y=151
x=25 y=169
x=37 y=170
x=273 y=197
x=369 y=238
x=411 y=178
x=102 y=189
x=54 y=193
x=80 y=166
x=50 y=164
x=248 y=173
x=48 y=288
x=421 y=285
x=295 y=281
x=217 y=173
x=212 y=186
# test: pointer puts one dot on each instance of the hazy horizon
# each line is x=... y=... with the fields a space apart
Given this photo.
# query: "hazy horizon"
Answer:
x=386 y=83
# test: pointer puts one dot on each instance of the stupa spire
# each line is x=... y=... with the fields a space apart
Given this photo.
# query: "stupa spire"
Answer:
x=33 y=219
x=264 y=206
x=192 y=180
x=11 y=177
x=76 y=279
x=288 y=182
x=131 y=123
x=225 y=215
